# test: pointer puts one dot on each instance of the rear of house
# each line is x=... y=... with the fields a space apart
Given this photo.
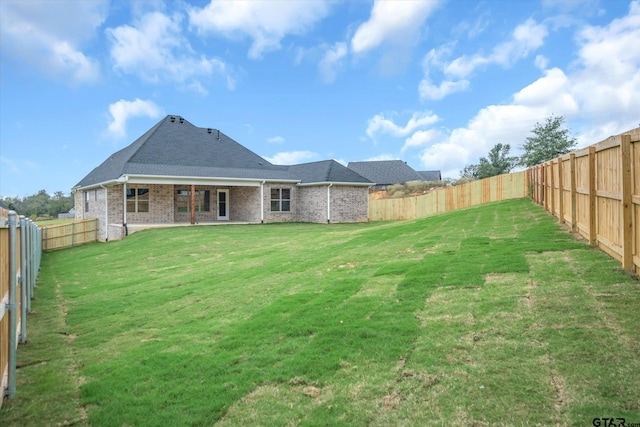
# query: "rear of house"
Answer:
x=177 y=173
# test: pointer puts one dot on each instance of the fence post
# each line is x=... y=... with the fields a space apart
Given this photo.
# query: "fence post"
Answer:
x=592 y=197
x=627 y=206
x=560 y=192
x=23 y=280
x=572 y=172
x=11 y=306
x=552 y=193
x=545 y=184
x=29 y=272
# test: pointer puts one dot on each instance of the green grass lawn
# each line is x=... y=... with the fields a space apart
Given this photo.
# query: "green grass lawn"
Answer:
x=485 y=316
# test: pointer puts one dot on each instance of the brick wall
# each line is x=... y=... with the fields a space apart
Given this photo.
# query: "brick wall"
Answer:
x=90 y=204
x=312 y=204
x=308 y=204
x=244 y=204
x=78 y=205
x=349 y=204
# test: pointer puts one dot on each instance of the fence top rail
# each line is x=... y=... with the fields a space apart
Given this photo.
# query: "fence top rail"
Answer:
x=80 y=221
x=611 y=142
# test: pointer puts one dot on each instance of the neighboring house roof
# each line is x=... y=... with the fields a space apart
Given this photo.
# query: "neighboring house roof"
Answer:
x=385 y=172
x=176 y=148
x=431 y=175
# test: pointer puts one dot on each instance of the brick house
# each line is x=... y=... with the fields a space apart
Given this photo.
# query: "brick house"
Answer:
x=177 y=173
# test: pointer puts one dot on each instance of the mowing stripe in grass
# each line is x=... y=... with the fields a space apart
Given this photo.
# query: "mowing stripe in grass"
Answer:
x=492 y=315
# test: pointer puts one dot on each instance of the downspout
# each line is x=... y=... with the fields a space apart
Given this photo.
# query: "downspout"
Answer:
x=106 y=213
x=329 y=203
x=262 y=201
x=124 y=208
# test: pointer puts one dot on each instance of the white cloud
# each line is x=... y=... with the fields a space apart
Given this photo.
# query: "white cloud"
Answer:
x=435 y=59
x=421 y=138
x=541 y=62
x=551 y=91
x=526 y=38
x=378 y=124
x=292 y=157
x=381 y=157
x=395 y=21
x=331 y=61
x=49 y=35
x=123 y=110
x=275 y=140
x=267 y=24
x=428 y=90
x=155 y=49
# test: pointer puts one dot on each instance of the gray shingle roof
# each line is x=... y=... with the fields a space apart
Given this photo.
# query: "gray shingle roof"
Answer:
x=385 y=172
x=175 y=147
x=431 y=175
x=325 y=171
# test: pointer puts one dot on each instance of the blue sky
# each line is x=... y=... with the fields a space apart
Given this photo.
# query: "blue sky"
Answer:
x=434 y=83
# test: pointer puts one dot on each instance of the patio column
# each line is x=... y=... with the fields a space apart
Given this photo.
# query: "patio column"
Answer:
x=192 y=204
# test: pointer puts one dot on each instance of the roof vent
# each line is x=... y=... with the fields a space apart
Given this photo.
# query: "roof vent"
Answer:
x=173 y=119
x=218 y=135
x=181 y=120
x=209 y=130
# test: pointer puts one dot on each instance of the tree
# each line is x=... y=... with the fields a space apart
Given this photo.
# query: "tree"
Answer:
x=497 y=162
x=469 y=173
x=549 y=141
x=40 y=204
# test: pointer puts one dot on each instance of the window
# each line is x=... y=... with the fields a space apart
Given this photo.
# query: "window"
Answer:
x=86 y=201
x=137 y=200
x=203 y=201
x=280 y=199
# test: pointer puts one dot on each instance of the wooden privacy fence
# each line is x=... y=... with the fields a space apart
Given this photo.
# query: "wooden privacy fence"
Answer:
x=496 y=188
x=71 y=234
x=596 y=193
x=20 y=254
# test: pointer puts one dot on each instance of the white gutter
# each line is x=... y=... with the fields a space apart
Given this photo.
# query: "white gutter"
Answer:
x=329 y=203
x=352 y=184
x=106 y=213
x=203 y=180
x=98 y=185
x=262 y=202
x=124 y=204
x=200 y=180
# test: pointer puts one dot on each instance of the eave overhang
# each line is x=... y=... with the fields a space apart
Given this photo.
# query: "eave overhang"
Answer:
x=324 y=183
x=186 y=180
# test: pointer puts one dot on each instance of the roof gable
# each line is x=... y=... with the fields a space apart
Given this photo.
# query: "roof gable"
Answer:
x=176 y=148
x=175 y=141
